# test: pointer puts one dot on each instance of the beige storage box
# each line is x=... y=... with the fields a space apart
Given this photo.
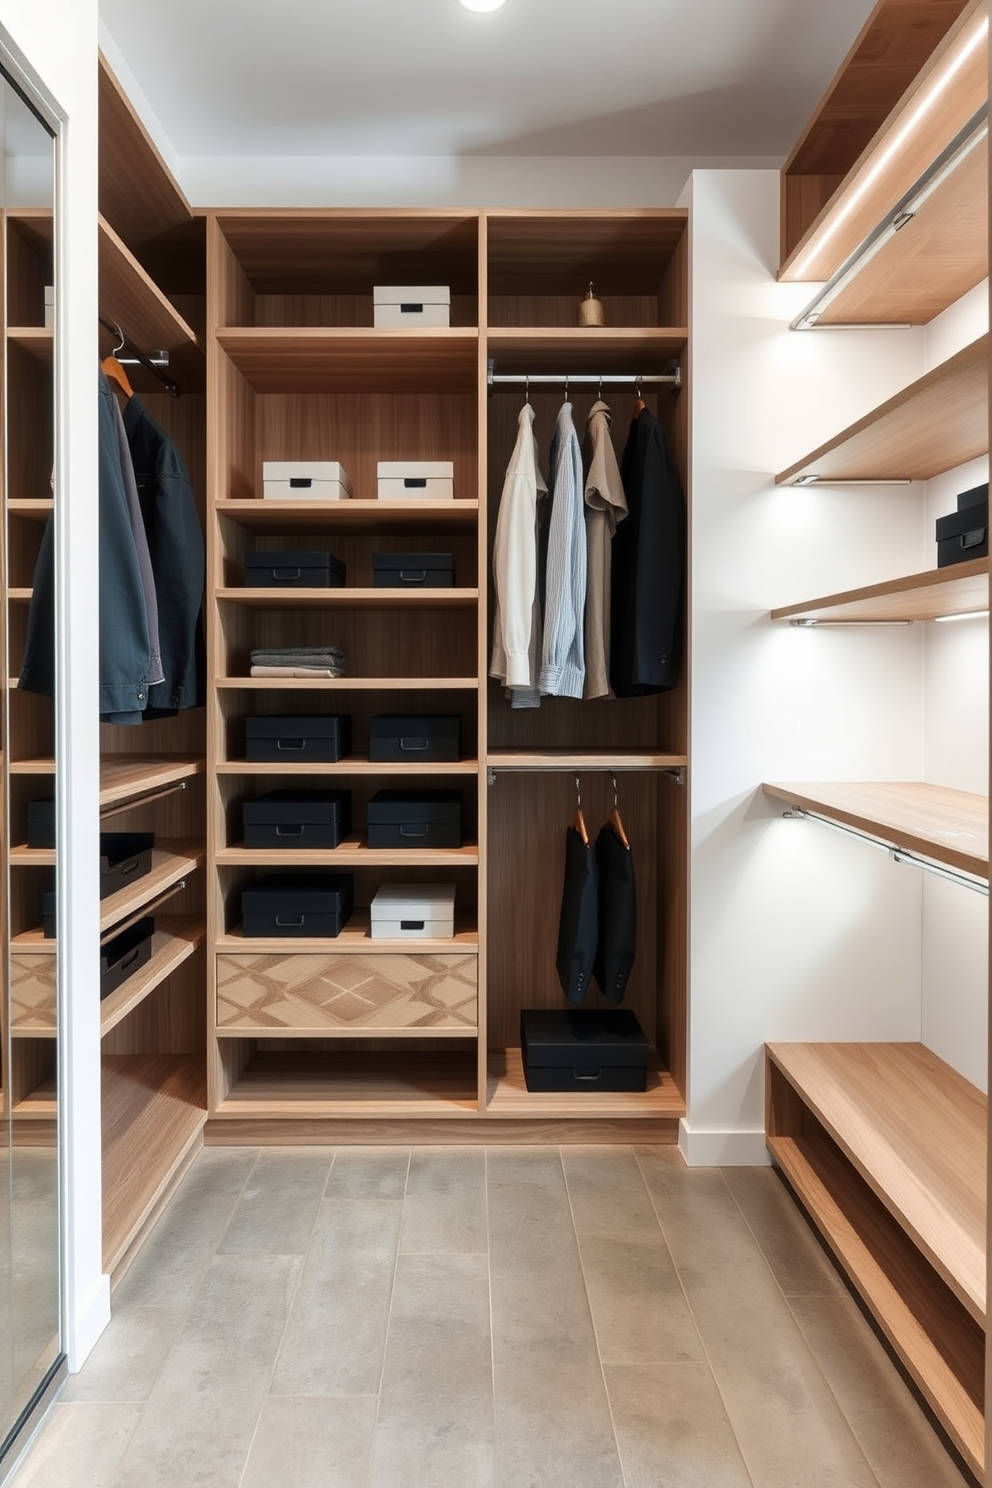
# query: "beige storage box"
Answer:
x=422 y=306
x=317 y=480
x=416 y=480
x=414 y=912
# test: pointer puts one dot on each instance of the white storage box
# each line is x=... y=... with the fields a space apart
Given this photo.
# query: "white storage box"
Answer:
x=414 y=912
x=418 y=305
x=419 y=480
x=318 y=480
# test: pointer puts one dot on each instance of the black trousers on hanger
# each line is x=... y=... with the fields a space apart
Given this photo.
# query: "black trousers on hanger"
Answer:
x=578 y=927
x=617 y=907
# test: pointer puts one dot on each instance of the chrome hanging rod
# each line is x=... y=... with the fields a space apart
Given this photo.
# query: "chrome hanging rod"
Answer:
x=904 y=211
x=897 y=854
x=584 y=379
x=154 y=362
x=675 y=773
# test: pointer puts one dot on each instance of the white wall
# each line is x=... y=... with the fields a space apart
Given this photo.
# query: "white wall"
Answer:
x=58 y=39
x=797 y=932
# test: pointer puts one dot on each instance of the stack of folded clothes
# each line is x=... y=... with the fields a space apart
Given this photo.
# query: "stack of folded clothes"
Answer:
x=300 y=661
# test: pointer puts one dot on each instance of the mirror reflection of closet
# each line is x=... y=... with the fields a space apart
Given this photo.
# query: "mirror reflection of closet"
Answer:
x=30 y=1281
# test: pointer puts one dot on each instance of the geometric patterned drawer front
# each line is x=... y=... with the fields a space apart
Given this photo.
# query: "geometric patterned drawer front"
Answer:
x=32 y=992
x=335 y=993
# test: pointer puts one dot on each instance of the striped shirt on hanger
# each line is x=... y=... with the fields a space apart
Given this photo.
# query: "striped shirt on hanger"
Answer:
x=563 y=654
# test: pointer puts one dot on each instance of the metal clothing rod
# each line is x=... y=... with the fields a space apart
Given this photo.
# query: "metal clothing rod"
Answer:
x=675 y=773
x=154 y=365
x=146 y=909
x=584 y=379
x=897 y=854
x=117 y=808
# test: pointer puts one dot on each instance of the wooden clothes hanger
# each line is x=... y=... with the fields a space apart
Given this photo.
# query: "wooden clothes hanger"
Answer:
x=112 y=368
x=615 y=821
x=639 y=405
x=578 y=820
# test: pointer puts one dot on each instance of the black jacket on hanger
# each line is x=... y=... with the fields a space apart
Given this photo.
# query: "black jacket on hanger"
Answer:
x=175 y=542
x=648 y=564
x=578 y=926
x=617 y=915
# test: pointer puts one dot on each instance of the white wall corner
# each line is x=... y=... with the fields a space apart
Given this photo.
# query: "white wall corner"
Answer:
x=722 y=1149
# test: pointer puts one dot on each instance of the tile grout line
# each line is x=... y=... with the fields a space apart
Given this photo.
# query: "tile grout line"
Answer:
x=492 y=1330
x=289 y=1310
x=799 y=1328
x=389 y=1315
x=695 y=1324
x=592 y=1318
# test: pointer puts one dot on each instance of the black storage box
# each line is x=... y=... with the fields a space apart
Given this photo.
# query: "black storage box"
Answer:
x=121 y=957
x=48 y=914
x=977 y=496
x=424 y=736
x=297 y=818
x=297 y=904
x=963 y=535
x=41 y=823
x=289 y=568
x=321 y=739
x=583 y=1049
x=415 y=818
x=413 y=571
x=124 y=858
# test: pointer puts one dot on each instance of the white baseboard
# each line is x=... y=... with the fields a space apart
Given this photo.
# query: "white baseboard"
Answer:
x=85 y=1327
x=723 y=1149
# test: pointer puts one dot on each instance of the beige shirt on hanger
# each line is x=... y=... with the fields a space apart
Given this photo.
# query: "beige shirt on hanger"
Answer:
x=606 y=505
x=517 y=623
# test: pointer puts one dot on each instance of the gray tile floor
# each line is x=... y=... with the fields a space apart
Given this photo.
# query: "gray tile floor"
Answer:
x=536 y=1317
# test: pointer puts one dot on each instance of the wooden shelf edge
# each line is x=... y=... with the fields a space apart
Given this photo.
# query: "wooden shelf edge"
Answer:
x=935 y=587
x=120 y=272
x=509 y=1099
x=347 y=598
x=172 y=944
x=348 y=684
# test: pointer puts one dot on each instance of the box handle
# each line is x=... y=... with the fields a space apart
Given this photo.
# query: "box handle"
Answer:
x=414 y=745
x=412 y=924
x=300 y=482
x=973 y=539
x=414 y=831
x=412 y=308
x=415 y=483
x=125 y=960
x=287 y=573
x=296 y=831
x=587 y=1074
x=413 y=575
x=128 y=867
x=284 y=922
x=291 y=746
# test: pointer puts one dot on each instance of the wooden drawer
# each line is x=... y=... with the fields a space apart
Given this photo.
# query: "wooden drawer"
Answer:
x=341 y=994
x=32 y=994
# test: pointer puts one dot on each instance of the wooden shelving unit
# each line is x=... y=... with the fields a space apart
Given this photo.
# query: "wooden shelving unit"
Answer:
x=885 y=1145
x=317 y=359
x=938 y=422
x=948 y=826
x=959 y=590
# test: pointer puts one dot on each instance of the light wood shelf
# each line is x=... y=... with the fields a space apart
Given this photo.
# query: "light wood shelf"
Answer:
x=936 y=423
x=958 y=590
x=125 y=777
x=949 y=826
x=347 y=598
x=354 y=515
x=351 y=854
x=353 y=764
x=921 y=124
x=348 y=684
x=153 y=1111
x=41 y=1104
x=407 y=1086
x=276 y=359
x=138 y=192
x=508 y=1096
x=38 y=341
x=171 y=861
x=885 y=1145
x=32 y=508
x=129 y=296
x=22 y=856
x=584 y=759
x=585 y=350
x=354 y=938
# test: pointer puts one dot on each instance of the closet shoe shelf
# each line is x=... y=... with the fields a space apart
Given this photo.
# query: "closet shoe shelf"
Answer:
x=509 y=1097
x=957 y=590
x=352 y=1085
x=950 y=827
x=885 y=1145
x=936 y=423
x=171 y=861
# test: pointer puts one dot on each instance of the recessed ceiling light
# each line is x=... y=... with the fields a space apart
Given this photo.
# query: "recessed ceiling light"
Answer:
x=482 y=5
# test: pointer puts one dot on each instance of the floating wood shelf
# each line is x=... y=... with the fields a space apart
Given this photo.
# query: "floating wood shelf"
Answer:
x=347 y=598
x=948 y=826
x=350 y=1085
x=138 y=194
x=886 y=1147
x=349 y=684
x=129 y=296
x=936 y=423
x=583 y=350
x=171 y=861
x=400 y=516
x=354 y=937
x=584 y=759
x=354 y=764
x=921 y=124
x=351 y=854
x=153 y=1111
x=958 y=590
x=509 y=1097
x=274 y=359
x=125 y=776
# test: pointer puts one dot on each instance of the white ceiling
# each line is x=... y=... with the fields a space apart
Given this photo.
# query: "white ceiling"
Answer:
x=325 y=78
